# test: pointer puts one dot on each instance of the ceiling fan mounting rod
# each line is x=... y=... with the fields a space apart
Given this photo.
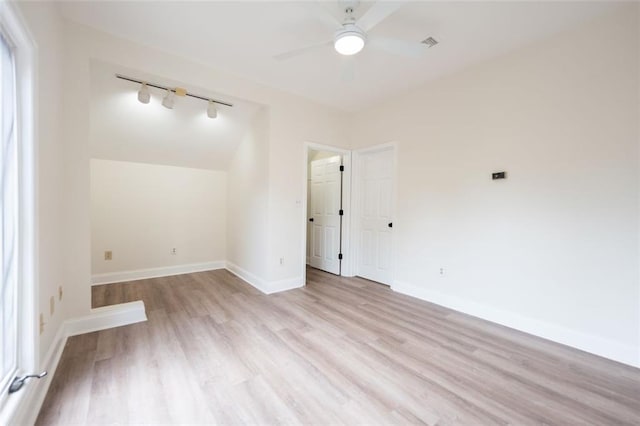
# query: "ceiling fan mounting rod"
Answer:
x=349 y=5
x=349 y=18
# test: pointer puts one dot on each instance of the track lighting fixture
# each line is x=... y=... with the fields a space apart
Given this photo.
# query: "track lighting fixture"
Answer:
x=212 y=111
x=169 y=99
x=143 y=94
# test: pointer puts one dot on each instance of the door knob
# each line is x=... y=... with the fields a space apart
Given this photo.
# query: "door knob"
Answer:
x=390 y=225
x=310 y=219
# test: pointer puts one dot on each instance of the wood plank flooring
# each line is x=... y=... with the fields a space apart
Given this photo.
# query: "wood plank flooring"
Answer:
x=339 y=351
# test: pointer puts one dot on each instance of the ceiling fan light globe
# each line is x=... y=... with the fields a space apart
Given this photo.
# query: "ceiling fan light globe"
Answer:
x=349 y=40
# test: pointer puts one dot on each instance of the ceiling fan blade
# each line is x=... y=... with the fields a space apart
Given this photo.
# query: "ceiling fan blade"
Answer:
x=377 y=13
x=398 y=47
x=348 y=69
x=320 y=11
x=301 y=51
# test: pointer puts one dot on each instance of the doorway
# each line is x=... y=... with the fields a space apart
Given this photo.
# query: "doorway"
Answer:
x=326 y=210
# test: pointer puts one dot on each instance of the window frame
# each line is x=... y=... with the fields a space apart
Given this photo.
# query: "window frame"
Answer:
x=15 y=31
x=10 y=210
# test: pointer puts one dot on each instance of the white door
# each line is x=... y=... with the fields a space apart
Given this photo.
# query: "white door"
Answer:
x=324 y=219
x=376 y=186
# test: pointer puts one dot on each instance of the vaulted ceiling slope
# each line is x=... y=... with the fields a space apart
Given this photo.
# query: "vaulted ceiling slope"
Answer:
x=244 y=37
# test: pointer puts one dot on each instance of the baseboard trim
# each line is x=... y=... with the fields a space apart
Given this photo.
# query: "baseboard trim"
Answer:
x=589 y=343
x=266 y=287
x=98 y=319
x=247 y=276
x=107 y=317
x=284 y=285
x=165 y=271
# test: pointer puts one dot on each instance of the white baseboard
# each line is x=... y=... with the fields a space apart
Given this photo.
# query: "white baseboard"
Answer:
x=107 y=317
x=616 y=351
x=267 y=287
x=99 y=319
x=284 y=285
x=165 y=271
x=247 y=276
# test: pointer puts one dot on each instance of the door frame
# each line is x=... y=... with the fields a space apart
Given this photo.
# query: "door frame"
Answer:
x=347 y=262
x=356 y=207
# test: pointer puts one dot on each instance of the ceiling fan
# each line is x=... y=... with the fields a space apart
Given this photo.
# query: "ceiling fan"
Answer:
x=351 y=36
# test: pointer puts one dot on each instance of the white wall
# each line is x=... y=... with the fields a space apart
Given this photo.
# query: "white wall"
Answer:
x=318 y=155
x=291 y=126
x=141 y=211
x=45 y=27
x=553 y=249
x=248 y=194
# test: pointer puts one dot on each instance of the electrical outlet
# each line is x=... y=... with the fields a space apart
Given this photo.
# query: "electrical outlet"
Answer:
x=60 y=293
x=41 y=323
x=52 y=305
x=174 y=251
x=108 y=255
x=441 y=271
x=282 y=261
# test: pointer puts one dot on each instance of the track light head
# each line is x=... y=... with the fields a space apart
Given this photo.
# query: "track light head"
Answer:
x=143 y=94
x=169 y=99
x=212 y=110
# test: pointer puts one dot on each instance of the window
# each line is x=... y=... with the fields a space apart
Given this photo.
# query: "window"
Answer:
x=8 y=216
x=18 y=327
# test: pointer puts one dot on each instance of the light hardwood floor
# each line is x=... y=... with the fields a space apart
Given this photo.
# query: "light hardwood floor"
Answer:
x=339 y=351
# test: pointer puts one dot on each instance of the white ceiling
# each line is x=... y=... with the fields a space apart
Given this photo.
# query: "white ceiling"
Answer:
x=124 y=129
x=243 y=37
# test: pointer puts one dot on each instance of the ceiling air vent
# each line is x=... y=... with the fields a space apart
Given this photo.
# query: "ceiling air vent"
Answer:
x=429 y=41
